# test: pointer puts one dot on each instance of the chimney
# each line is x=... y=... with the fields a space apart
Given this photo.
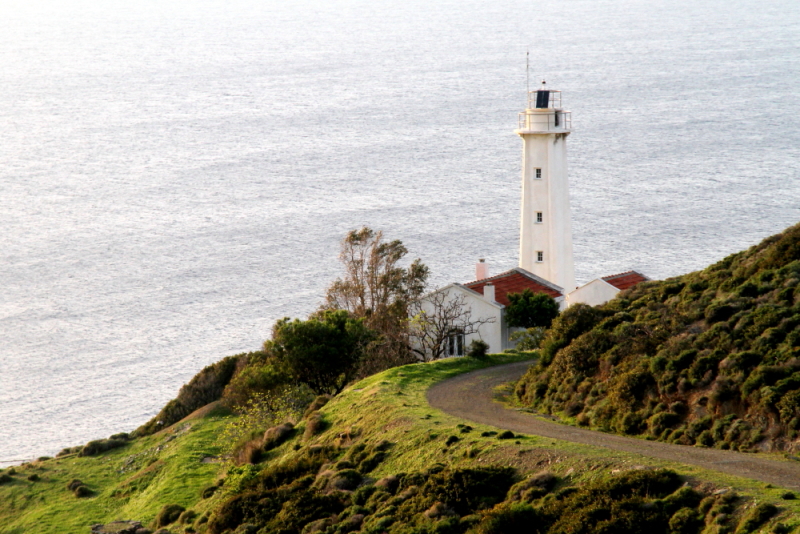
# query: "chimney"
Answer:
x=481 y=270
x=488 y=292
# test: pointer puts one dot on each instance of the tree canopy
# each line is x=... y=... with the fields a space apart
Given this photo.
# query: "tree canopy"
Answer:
x=322 y=352
x=378 y=289
x=529 y=309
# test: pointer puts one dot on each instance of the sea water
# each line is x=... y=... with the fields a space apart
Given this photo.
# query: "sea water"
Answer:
x=175 y=176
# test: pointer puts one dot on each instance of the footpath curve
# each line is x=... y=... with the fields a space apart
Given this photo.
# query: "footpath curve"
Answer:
x=471 y=396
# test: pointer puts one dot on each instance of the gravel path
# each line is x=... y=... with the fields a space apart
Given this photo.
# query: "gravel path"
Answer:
x=470 y=396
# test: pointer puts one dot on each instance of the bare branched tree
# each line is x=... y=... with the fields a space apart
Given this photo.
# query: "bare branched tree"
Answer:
x=437 y=317
x=377 y=288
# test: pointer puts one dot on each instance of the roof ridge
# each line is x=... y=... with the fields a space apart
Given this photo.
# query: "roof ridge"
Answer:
x=632 y=271
x=519 y=270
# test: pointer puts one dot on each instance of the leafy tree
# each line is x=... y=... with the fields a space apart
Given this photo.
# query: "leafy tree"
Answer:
x=529 y=309
x=376 y=288
x=528 y=339
x=322 y=352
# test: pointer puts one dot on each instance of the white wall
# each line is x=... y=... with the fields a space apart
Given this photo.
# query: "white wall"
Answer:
x=495 y=334
x=594 y=293
x=546 y=150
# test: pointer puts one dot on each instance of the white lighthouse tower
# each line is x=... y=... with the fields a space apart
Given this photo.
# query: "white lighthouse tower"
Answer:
x=545 y=241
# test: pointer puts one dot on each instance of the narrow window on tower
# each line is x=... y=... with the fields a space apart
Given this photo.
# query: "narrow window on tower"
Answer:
x=538 y=174
x=538 y=216
x=539 y=256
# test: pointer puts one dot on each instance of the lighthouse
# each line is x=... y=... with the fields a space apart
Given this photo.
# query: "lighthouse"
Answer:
x=545 y=241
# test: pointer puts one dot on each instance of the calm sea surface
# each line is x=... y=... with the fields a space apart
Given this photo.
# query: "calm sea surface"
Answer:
x=176 y=175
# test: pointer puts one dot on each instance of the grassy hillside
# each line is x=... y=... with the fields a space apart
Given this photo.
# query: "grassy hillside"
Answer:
x=378 y=459
x=711 y=358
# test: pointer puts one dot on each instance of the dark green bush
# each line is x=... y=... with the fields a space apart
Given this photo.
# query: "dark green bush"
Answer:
x=168 y=514
x=662 y=421
x=81 y=491
x=100 y=446
x=506 y=434
x=757 y=517
x=685 y=521
x=347 y=479
x=467 y=490
x=205 y=387
x=187 y=517
x=518 y=518
x=5 y=478
x=722 y=340
x=478 y=349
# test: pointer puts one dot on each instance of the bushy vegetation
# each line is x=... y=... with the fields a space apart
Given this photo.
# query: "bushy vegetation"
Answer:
x=530 y=310
x=370 y=463
x=323 y=352
x=205 y=387
x=327 y=490
x=711 y=358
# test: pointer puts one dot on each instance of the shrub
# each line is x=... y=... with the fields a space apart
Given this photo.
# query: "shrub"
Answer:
x=187 y=517
x=208 y=492
x=205 y=387
x=168 y=514
x=314 y=425
x=69 y=450
x=478 y=349
x=685 y=521
x=323 y=352
x=662 y=421
x=451 y=440
x=466 y=490
x=262 y=411
x=33 y=477
x=347 y=479
x=100 y=446
x=528 y=339
x=506 y=434
x=255 y=378
x=276 y=435
x=529 y=309
x=532 y=487
x=318 y=402
x=507 y=519
x=757 y=517
x=5 y=478
x=631 y=423
x=82 y=491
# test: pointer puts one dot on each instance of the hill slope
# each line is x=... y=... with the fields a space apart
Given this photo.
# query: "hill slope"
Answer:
x=709 y=358
x=378 y=459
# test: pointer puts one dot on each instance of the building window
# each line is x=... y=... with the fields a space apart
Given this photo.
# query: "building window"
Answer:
x=538 y=216
x=538 y=174
x=455 y=344
x=539 y=256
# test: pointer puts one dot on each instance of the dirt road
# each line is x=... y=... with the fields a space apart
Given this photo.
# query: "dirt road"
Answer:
x=469 y=396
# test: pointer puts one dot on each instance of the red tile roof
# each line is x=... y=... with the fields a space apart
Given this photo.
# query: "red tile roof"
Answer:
x=515 y=281
x=625 y=280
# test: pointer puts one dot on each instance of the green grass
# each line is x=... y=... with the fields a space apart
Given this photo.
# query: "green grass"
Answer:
x=132 y=482
x=392 y=406
x=135 y=481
